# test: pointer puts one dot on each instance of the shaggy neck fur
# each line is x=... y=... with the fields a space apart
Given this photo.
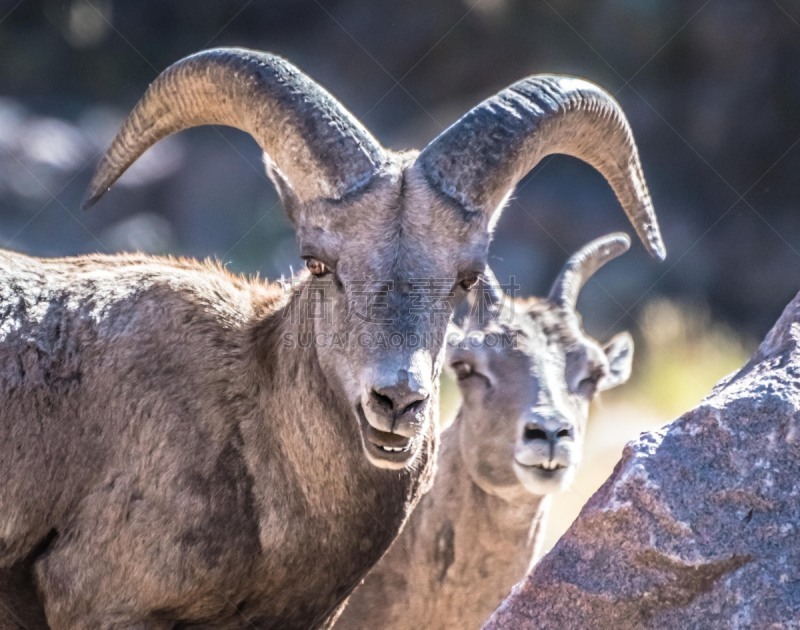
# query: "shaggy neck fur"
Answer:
x=457 y=558
x=351 y=511
x=197 y=472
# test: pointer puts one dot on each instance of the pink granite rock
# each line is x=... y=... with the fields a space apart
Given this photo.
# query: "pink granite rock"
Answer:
x=699 y=524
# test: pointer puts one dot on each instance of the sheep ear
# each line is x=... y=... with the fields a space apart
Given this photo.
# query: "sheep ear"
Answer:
x=619 y=352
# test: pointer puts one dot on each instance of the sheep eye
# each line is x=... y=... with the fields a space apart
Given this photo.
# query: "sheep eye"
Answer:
x=469 y=281
x=317 y=267
x=462 y=369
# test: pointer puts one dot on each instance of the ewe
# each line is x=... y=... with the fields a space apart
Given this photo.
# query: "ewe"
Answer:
x=171 y=456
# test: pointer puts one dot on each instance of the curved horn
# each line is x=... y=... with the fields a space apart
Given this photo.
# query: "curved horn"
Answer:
x=583 y=264
x=478 y=160
x=319 y=149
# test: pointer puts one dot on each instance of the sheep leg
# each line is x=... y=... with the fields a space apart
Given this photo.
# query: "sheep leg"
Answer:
x=120 y=563
x=83 y=587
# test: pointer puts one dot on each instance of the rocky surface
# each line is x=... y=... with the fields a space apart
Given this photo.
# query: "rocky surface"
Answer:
x=698 y=525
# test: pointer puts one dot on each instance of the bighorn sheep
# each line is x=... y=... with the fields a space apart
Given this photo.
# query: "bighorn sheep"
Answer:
x=169 y=453
x=527 y=378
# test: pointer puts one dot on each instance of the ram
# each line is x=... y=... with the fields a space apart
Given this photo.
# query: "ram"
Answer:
x=171 y=454
x=527 y=376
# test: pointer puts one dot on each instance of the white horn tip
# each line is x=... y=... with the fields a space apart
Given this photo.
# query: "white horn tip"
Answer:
x=657 y=248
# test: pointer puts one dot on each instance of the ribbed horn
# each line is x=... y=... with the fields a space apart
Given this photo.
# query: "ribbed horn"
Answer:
x=319 y=149
x=479 y=159
x=583 y=264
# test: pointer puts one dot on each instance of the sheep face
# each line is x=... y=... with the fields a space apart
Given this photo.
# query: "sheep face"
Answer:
x=527 y=380
x=386 y=269
x=390 y=239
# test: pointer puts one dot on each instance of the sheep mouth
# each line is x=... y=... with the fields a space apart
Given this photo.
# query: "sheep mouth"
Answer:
x=546 y=469
x=383 y=447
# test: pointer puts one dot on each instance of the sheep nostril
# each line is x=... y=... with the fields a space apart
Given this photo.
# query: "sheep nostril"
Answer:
x=534 y=433
x=384 y=402
x=564 y=434
x=415 y=406
x=399 y=400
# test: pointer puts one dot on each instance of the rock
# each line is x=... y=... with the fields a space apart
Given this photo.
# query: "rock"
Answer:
x=698 y=524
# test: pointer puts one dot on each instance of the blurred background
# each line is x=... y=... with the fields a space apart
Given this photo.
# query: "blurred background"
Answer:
x=710 y=87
